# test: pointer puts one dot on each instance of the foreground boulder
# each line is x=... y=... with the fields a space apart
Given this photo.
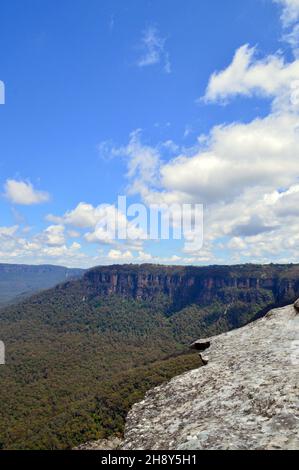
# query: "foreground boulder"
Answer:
x=246 y=397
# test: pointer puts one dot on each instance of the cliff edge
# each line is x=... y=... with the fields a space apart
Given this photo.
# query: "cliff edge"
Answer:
x=246 y=397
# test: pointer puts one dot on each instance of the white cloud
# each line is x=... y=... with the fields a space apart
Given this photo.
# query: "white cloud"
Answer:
x=23 y=193
x=105 y=222
x=63 y=251
x=290 y=11
x=290 y=18
x=270 y=77
x=83 y=216
x=247 y=177
x=48 y=246
x=117 y=255
x=73 y=233
x=246 y=174
x=261 y=154
x=292 y=38
x=8 y=231
x=154 y=51
x=54 y=235
x=285 y=204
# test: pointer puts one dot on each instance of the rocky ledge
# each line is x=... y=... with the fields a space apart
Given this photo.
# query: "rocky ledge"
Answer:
x=246 y=397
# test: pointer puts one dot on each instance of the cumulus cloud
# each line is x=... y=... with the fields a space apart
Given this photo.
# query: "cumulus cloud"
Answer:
x=238 y=178
x=154 y=51
x=6 y=232
x=246 y=75
x=290 y=11
x=285 y=204
x=117 y=255
x=54 y=235
x=246 y=174
x=23 y=193
x=254 y=226
x=105 y=223
x=290 y=18
x=83 y=216
x=48 y=246
x=261 y=154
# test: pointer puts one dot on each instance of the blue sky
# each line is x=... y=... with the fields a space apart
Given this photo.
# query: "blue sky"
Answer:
x=106 y=98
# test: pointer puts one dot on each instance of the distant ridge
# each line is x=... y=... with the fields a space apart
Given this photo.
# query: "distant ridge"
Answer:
x=18 y=281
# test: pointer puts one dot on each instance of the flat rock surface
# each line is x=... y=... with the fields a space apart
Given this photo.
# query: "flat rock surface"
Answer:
x=247 y=396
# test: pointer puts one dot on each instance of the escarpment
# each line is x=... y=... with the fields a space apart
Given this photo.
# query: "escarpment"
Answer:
x=183 y=286
x=246 y=397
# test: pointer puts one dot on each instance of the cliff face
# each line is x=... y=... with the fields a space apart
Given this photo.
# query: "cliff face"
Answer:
x=246 y=397
x=198 y=285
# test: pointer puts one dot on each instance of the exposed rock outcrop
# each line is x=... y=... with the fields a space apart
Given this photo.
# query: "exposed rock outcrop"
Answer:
x=245 y=398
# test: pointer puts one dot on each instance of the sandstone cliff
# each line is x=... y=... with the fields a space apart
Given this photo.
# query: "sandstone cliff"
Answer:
x=246 y=397
x=198 y=285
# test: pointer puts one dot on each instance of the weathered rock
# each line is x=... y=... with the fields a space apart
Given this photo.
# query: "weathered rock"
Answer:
x=247 y=397
x=103 y=444
x=296 y=305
